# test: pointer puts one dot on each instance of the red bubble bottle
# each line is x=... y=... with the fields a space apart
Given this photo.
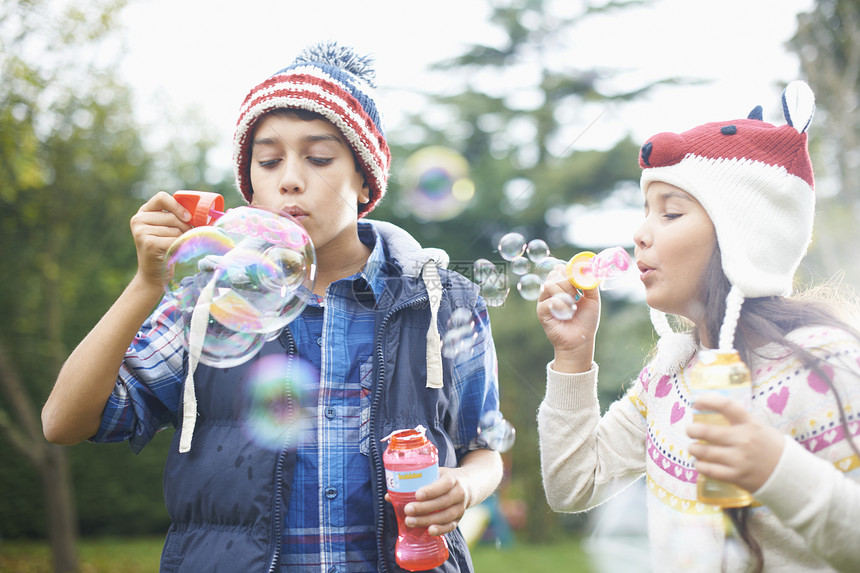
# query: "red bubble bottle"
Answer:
x=411 y=462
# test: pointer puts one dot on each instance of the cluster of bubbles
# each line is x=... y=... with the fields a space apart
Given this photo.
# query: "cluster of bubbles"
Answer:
x=459 y=339
x=495 y=432
x=530 y=261
x=251 y=272
x=533 y=263
x=436 y=183
x=281 y=399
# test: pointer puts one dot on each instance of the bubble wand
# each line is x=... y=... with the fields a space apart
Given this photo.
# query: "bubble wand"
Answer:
x=205 y=207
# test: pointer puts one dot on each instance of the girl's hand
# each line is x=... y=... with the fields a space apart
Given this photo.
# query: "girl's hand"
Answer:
x=744 y=453
x=155 y=227
x=573 y=340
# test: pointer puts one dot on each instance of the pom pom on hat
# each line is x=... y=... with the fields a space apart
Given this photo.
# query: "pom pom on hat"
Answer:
x=335 y=82
x=756 y=183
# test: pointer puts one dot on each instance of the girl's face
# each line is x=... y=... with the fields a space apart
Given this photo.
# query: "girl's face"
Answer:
x=672 y=247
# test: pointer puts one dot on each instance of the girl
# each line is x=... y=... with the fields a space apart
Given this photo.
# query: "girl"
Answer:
x=728 y=217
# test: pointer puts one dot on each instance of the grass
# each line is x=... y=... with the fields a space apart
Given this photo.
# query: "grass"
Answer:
x=141 y=555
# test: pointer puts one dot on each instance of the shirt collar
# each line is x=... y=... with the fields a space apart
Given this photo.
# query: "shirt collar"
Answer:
x=377 y=269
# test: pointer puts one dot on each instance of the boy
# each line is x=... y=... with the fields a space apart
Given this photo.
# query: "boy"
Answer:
x=309 y=141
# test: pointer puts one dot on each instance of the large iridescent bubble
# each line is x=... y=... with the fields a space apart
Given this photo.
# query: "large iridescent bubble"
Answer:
x=253 y=270
x=281 y=393
x=436 y=183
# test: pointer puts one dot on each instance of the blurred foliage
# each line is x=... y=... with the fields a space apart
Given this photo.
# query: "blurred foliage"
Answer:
x=827 y=42
x=522 y=165
x=74 y=167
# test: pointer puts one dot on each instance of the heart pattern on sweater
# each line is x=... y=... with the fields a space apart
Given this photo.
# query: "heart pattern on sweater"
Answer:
x=818 y=383
x=777 y=401
x=677 y=412
x=663 y=387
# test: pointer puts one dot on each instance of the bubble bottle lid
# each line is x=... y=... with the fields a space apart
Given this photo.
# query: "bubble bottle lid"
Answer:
x=205 y=207
x=407 y=436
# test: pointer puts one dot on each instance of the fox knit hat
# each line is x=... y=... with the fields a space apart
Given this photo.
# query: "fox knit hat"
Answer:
x=334 y=82
x=755 y=181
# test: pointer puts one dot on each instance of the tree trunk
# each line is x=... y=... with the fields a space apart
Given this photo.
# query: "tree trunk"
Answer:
x=60 y=506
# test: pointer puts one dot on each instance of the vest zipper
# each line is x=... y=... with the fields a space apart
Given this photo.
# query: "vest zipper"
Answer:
x=379 y=469
x=278 y=520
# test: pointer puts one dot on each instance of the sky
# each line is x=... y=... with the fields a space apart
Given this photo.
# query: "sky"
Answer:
x=202 y=57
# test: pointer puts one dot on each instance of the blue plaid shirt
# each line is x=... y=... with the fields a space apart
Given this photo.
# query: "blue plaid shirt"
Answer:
x=330 y=517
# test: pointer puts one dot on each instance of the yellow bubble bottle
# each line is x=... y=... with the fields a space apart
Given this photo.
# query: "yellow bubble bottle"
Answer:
x=722 y=372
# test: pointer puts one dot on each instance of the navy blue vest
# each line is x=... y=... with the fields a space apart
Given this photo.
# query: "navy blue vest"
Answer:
x=227 y=497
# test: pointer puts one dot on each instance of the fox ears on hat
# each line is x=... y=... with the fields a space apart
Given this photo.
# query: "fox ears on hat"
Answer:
x=798 y=106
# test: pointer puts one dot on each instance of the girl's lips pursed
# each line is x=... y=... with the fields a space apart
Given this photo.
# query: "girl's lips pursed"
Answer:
x=644 y=271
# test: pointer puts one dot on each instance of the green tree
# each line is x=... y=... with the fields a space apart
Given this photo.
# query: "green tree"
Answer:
x=70 y=160
x=523 y=168
x=827 y=42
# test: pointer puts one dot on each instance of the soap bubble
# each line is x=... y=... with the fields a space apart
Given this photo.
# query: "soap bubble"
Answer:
x=223 y=347
x=520 y=265
x=562 y=306
x=511 y=246
x=256 y=269
x=610 y=265
x=545 y=266
x=436 y=183
x=537 y=250
x=281 y=392
x=529 y=286
x=190 y=263
x=459 y=338
x=494 y=289
x=482 y=269
x=496 y=432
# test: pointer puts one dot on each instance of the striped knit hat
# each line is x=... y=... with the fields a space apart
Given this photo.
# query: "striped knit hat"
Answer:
x=755 y=182
x=334 y=82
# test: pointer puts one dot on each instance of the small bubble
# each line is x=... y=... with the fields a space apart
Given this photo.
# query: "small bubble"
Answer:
x=511 y=246
x=482 y=269
x=537 y=250
x=562 y=306
x=496 y=432
x=545 y=266
x=529 y=286
x=520 y=265
x=495 y=289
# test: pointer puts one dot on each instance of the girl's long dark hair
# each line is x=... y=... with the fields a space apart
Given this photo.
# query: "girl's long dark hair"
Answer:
x=762 y=321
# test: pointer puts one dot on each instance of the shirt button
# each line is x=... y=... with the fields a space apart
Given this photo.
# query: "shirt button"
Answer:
x=319 y=341
x=329 y=412
x=333 y=570
x=331 y=492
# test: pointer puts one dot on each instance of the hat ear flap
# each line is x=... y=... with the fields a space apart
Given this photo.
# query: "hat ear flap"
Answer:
x=756 y=113
x=798 y=105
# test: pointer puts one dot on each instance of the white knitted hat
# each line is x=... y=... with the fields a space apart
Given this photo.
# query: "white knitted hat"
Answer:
x=755 y=182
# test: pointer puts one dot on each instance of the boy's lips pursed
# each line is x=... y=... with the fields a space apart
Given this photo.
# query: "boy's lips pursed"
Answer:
x=294 y=211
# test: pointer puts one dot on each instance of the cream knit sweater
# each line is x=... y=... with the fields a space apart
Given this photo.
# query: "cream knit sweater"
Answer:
x=806 y=517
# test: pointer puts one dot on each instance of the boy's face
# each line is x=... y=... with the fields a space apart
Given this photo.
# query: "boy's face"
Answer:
x=307 y=169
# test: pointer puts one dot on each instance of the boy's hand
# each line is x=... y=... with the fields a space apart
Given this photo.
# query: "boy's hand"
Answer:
x=744 y=453
x=154 y=227
x=440 y=505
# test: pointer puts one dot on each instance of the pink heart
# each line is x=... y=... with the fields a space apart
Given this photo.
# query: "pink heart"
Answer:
x=817 y=383
x=677 y=412
x=777 y=402
x=663 y=387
